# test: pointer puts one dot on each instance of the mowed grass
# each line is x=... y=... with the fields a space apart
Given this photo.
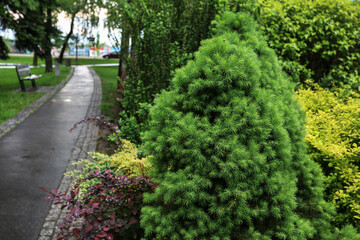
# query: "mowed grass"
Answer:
x=90 y=61
x=12 y=102
x=108 y=76
x=81 y=61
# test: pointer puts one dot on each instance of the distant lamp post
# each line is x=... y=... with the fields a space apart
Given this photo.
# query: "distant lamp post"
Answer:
x=92 y=40
x=76 y=47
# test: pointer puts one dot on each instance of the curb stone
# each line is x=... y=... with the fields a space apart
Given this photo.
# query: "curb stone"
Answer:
x=85 y=143
x=23 y=114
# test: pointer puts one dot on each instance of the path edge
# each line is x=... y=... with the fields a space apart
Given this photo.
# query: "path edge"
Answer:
x=84 y=144
x=23 y=114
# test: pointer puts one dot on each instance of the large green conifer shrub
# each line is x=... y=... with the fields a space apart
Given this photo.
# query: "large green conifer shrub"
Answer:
x=228 y=149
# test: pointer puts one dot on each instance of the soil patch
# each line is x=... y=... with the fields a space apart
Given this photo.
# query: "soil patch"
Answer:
x=103 y=145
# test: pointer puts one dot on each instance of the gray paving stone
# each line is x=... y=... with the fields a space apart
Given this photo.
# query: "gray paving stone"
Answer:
x=43 y=237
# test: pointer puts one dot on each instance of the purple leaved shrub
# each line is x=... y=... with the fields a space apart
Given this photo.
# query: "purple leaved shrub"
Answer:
x=109 y=209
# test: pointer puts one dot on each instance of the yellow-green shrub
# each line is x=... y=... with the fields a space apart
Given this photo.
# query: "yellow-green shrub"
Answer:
x=333 y=136
x=127 y=159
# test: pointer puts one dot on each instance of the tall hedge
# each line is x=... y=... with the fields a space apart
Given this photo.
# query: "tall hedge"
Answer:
x=165 y=34
x=317 y=39
x=228 y=149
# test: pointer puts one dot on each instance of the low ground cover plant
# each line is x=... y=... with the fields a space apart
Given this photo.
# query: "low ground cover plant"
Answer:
x=333 y=134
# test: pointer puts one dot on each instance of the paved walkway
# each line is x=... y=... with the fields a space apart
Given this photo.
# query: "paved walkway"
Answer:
x=37 y=152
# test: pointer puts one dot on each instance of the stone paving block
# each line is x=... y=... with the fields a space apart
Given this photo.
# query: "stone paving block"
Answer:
x=49 y=224
x=52 y=216
x=45 y=237
x=82 y=155
x=47 y=231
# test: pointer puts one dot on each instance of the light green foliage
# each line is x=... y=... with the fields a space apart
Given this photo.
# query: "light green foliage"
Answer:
x=127 y=161
x=86 y=167
x=228 y=148
x=347 y=232
x=317 y=39
x=130 y=129
x=333 y=134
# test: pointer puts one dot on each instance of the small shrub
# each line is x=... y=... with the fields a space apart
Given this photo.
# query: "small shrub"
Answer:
x=109 y=209
x=130 y=129
x=133 y=125
x=333 y=134
x=124 y=161
x=127 y=160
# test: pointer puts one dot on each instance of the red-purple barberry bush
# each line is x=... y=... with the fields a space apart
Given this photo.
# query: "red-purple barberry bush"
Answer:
x=109 y=209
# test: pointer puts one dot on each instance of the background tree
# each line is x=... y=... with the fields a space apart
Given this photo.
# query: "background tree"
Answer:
x=8 y=11
x=86 y=10
x=72 y=8
x=4 y=50
x=29 y=32
x=34 y=25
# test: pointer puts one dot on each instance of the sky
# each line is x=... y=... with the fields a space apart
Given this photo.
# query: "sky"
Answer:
x=64 y=26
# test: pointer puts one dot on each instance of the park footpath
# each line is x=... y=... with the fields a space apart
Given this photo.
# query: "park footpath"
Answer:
x=39 y=149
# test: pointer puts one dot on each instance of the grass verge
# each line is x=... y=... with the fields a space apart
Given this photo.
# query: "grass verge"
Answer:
x=108 y=77
x=12 y=102
x=81 y=61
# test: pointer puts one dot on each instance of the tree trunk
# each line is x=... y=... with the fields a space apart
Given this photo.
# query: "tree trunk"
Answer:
x=35 y=59
x=4 y=51
x=67 y=38
x=47 y=45
x=48 y=61
x=124 y=53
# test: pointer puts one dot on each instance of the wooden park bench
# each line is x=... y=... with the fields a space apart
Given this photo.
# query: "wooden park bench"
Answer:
x=24 y=70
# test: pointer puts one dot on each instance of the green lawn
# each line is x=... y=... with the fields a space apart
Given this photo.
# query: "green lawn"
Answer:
x=89 y=61
x=108 y=76
x=12 y=102
x=81 y=61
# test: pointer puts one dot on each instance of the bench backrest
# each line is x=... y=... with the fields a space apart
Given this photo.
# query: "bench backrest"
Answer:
x=23 y=70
